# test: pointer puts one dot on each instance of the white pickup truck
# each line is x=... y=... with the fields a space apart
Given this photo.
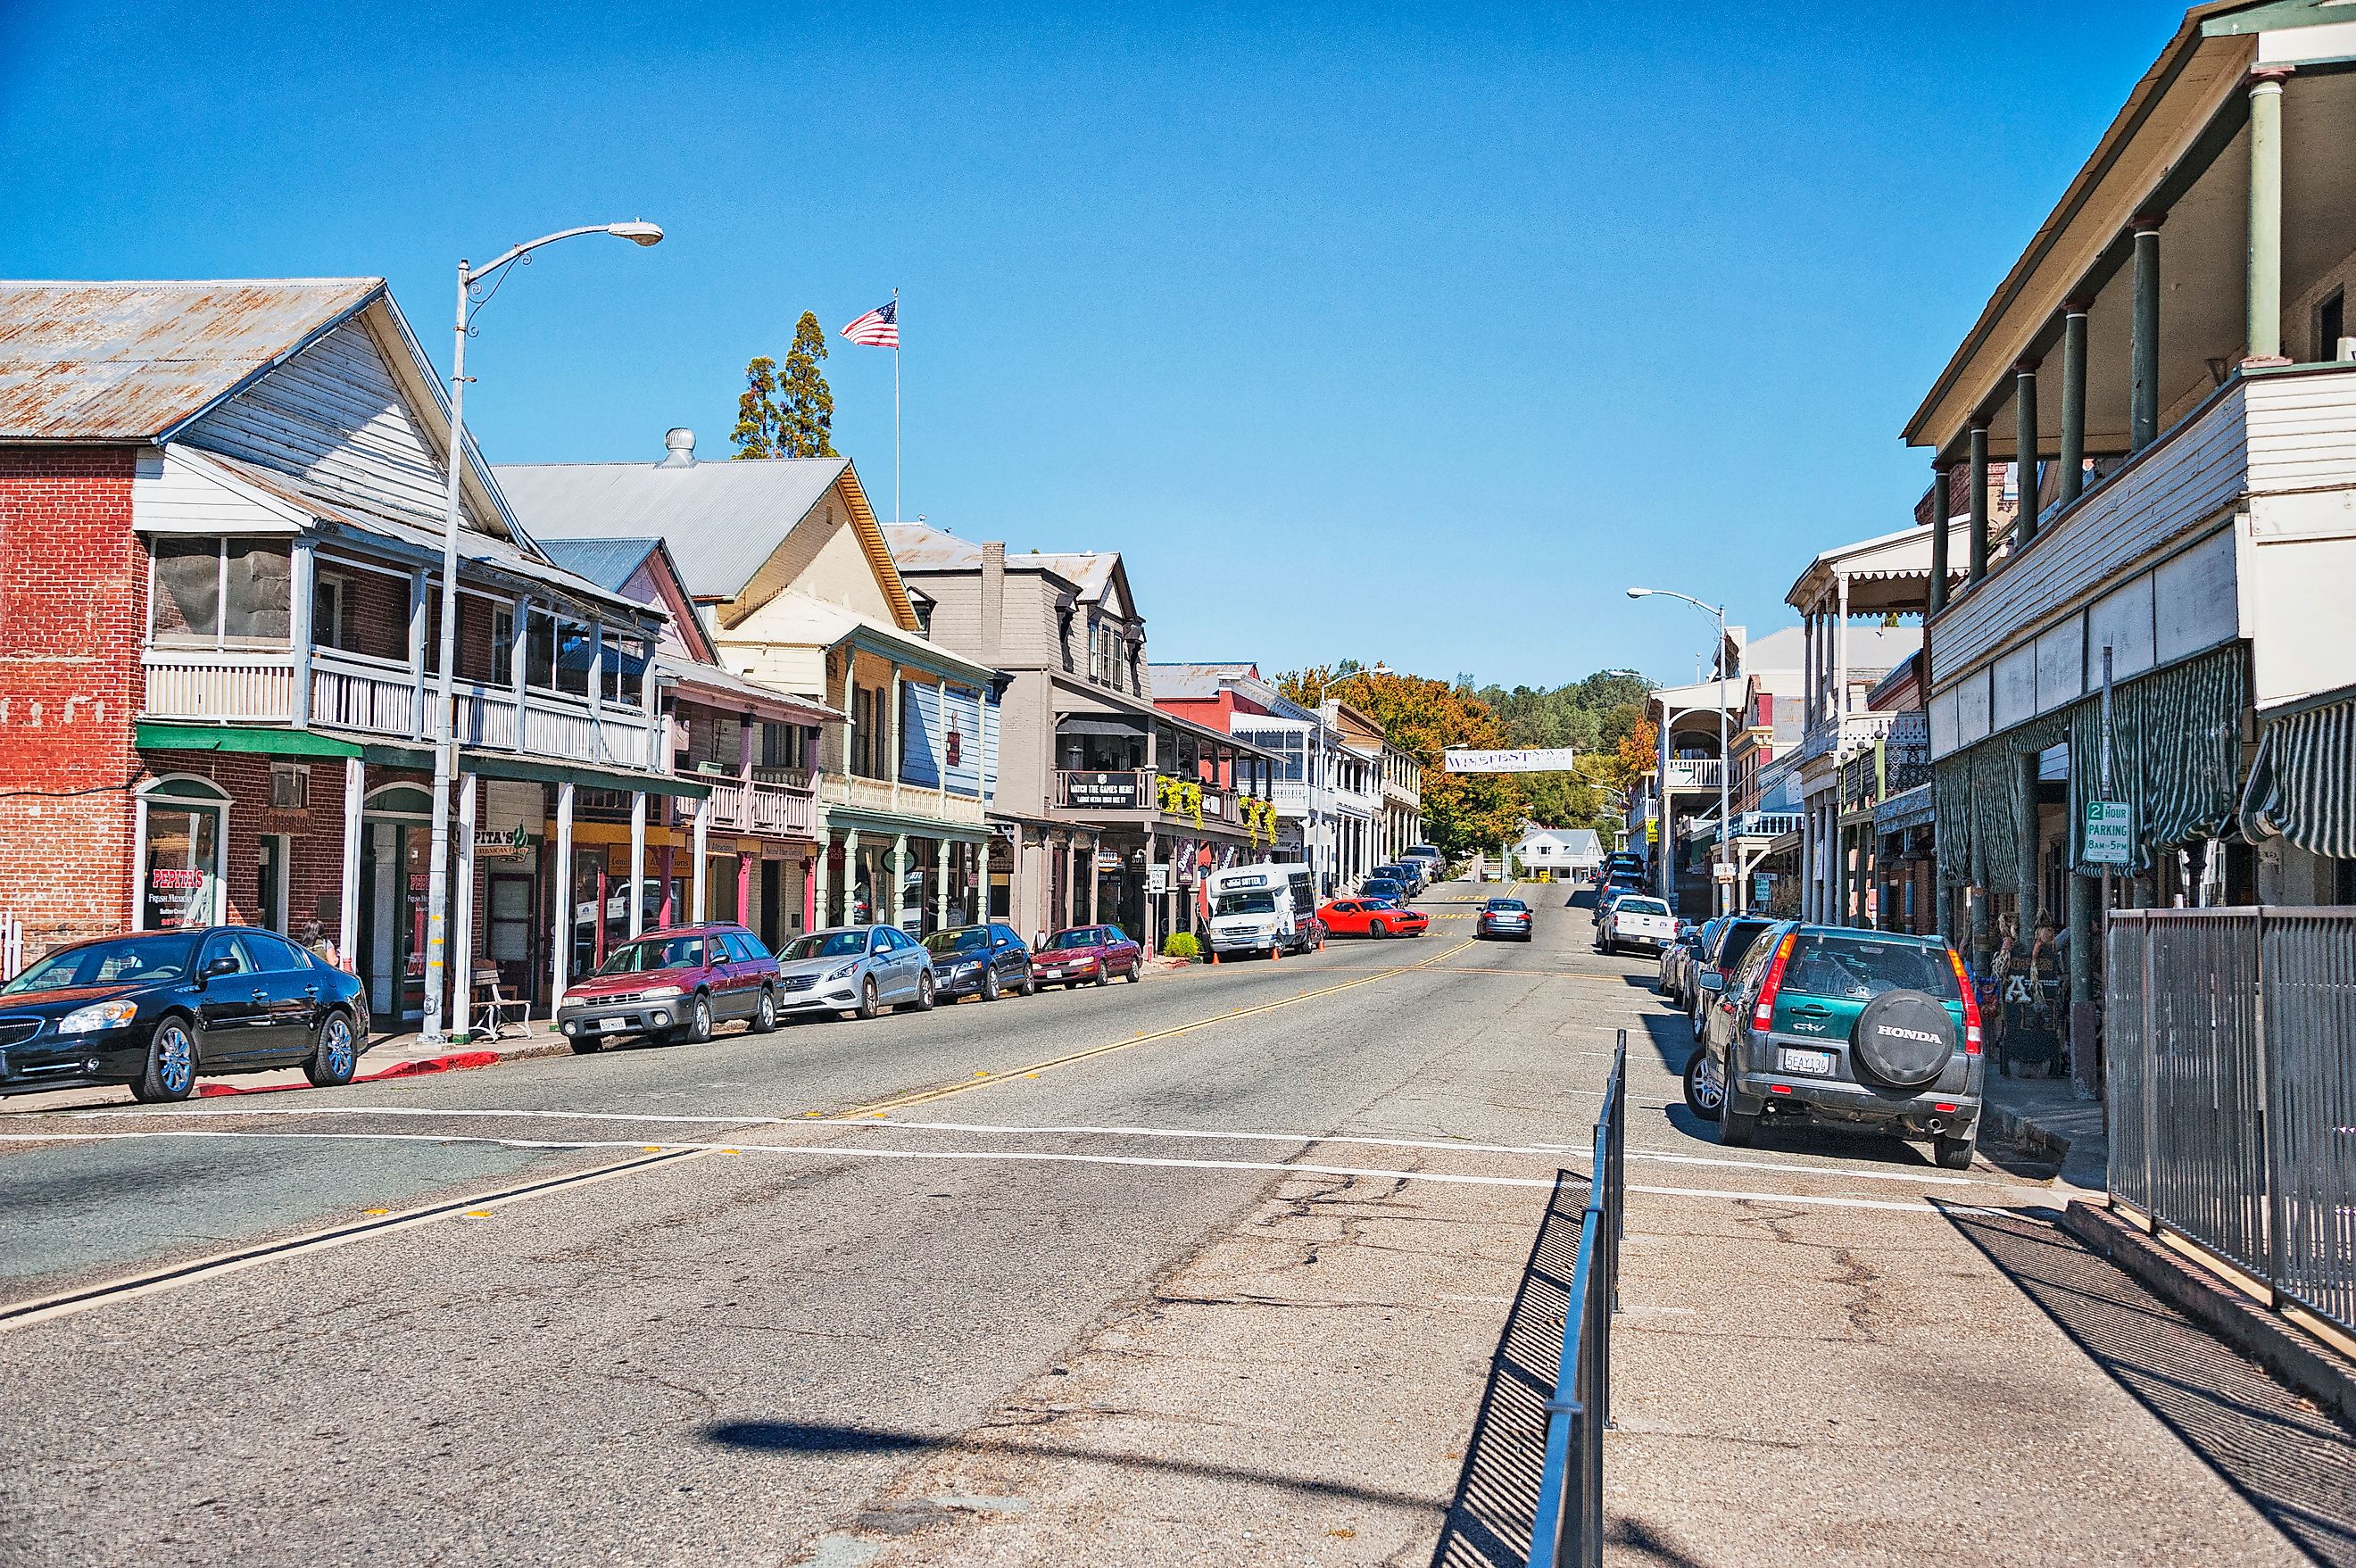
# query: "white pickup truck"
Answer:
x=1633 y=922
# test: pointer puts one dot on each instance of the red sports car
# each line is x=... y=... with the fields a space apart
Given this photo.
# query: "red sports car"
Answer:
x=1373 y=917
x=1087 y=955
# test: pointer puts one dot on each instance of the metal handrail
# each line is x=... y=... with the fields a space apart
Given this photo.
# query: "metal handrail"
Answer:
x=1567 y=1526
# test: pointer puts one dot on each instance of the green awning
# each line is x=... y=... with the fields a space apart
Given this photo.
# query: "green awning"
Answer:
x=495 y=764
x=2303 y=784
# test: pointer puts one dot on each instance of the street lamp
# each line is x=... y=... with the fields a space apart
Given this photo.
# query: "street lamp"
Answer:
x=1725 y=824
x=637 y=232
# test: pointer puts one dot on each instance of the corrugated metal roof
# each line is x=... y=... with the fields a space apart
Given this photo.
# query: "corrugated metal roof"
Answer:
x=722 y=520
x=609 y=562
x=919 y=547
x=1197 y=679
x=128 y=361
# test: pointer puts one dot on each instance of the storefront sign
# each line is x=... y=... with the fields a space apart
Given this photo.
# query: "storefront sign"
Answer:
x=2110 y=834
x=493 y=843
x=1110 y=860
x=1123 y=791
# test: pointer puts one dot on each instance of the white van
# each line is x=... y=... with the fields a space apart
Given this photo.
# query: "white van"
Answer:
x=1265 y=909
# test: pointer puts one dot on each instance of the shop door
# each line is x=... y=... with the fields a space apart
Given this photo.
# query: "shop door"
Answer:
x=393 y=918
x=773 y=902
x=509 y=903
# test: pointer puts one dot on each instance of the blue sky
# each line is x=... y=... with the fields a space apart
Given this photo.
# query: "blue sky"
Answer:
x=1411 y=333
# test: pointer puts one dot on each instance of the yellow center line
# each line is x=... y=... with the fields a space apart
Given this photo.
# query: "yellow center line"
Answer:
x=982 y=1079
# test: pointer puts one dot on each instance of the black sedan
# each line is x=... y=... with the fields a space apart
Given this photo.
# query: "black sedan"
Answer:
x=158 y=1009
x=979 y=960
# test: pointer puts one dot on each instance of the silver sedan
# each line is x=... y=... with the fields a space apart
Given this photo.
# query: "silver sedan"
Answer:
x=854 y=969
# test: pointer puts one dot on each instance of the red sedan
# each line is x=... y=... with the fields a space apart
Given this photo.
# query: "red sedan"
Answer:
x=1089 y=955
x=1373 y=917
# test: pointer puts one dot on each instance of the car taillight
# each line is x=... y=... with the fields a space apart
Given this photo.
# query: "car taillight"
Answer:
x=1971 y=1003
x=1763 y=1016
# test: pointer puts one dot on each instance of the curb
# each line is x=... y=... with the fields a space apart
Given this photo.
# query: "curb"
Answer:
x=457 y=1061
x=2011 y=1127
x=2204 y=1297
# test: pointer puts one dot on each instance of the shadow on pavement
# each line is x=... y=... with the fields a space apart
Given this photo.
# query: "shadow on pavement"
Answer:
x=795 y=1437
x=2295 y=1465
x=1488 y=1523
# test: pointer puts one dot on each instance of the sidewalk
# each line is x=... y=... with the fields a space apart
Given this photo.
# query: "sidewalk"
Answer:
x=402 y=1055
x=2045 y=1116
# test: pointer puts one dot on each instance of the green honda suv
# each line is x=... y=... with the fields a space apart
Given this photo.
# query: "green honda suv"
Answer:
x=1836 y=1026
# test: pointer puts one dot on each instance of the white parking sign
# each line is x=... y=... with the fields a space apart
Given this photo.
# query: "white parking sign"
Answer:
x=2110 y=835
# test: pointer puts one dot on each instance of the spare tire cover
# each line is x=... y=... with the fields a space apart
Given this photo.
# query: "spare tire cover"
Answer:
x=1902 y=1039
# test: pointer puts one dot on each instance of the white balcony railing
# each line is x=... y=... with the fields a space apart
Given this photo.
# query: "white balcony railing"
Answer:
x=376 y=697
x=760 y=806
x=1845 y=737
x=889 y=798
x=1694 y=772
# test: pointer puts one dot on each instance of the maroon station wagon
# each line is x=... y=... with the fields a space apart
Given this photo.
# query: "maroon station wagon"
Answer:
x=674 y=986
x=1087 y=955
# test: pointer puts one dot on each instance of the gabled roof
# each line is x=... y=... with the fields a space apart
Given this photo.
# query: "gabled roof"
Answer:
x=1889 y=574
x=134 y=361
x=1198 y=680
x=918 y=547
x=723 y=520
x=793 y=620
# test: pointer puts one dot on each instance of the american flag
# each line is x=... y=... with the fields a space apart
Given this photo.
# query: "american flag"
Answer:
x=879 y=329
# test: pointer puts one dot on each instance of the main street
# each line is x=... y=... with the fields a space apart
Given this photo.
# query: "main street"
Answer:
x=1241 y=1264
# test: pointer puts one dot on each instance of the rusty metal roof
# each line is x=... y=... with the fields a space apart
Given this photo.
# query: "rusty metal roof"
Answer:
x=129 y=362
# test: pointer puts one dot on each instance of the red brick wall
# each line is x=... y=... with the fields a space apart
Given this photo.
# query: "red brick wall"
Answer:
x=73 y=586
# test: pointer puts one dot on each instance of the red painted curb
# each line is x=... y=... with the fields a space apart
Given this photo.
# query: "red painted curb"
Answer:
x=455 y=1062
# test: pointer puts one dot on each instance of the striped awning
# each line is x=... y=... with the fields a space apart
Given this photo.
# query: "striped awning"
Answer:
x=2303 y=784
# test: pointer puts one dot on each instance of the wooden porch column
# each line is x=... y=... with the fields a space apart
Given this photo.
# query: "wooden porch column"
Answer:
x=559 y=881
x=2024 y=458
x=299 y=577
x=1942 y=521
x=821 y=906
x=940 y=884
x=849 y=880
x=899 y=904
x=1979 y=540
x=347 y=904
x=2073 y=477
x=461 y=969
x=699 y=895
x=518 y=656
x=637 y=862
x=2264 y=298
x=2143 y=386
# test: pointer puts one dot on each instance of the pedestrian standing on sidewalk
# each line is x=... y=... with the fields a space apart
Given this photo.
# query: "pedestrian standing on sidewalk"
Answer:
x=314 y=938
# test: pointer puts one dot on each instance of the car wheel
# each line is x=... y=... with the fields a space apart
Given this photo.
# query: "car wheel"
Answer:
x=924 y=994
x=990 y=986
x=1705 y=1084
x=1735 y=1129
x=697 y=1028
x=171 y=1069
x=1104 y=975
x=870 y=1004
x=1953 y=1154
x=1136 y=970
x=1694 y=1016
x=1030 y=986
x=586 y=1045
x=1377 y=928
x=333 y=1054
x=765 y=1015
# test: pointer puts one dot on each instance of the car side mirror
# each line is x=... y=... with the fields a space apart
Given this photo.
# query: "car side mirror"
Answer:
x=225 y=964
x=1712 y=981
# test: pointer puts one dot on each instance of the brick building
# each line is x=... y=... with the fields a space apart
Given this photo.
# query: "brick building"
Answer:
x=221 y=510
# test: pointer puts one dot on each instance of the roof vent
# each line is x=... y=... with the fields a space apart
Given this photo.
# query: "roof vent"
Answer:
x=679 y=447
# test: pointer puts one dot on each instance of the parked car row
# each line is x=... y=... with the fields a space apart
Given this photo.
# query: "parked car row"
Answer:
x=679 y=985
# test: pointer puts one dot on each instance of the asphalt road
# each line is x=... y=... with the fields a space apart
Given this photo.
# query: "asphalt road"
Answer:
x=1235 y=1265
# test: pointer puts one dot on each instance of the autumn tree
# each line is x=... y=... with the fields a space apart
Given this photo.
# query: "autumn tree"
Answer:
x=788 y=413
x=1461 y=812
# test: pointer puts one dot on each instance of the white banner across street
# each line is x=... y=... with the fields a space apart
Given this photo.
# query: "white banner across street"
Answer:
x=1521 y=759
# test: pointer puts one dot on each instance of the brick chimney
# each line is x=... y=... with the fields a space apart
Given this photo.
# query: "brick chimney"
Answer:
x=993 y=597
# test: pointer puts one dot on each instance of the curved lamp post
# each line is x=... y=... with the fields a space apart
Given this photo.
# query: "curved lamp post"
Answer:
x=445 y=737
x=1724 y=762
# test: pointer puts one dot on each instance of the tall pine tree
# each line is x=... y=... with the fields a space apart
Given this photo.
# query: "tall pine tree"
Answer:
x=788 y=413
x=805 y=405
x=756 y=434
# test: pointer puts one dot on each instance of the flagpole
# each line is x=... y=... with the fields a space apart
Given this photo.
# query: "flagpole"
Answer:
x=897 y=515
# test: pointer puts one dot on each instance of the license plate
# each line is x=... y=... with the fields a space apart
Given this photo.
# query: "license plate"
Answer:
x=1817 y=1062
x=601 y=1025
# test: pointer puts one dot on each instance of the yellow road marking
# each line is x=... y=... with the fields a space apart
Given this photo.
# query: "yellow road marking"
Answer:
x=925 y=1096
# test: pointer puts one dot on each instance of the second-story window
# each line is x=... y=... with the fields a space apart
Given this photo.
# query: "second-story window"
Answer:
x=1096 y=650
x=622 y=671
x=221 y=594
x=502 y=647
x=329 y=596
x=540 y=651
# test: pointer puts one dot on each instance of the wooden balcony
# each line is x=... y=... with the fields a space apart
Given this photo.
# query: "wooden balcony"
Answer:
x=888 y=797
x=376 y=697
x=771 y=806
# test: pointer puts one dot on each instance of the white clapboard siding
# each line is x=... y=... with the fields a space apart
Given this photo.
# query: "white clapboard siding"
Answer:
x=2302 y=431
x=335 y=416
x=173 y=494
x=2172 y=488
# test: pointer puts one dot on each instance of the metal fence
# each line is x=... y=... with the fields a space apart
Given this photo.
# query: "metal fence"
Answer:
x=2230 y=1045
x=1567 y=1526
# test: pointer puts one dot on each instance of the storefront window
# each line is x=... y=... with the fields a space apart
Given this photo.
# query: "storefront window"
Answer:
x=179 y=880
